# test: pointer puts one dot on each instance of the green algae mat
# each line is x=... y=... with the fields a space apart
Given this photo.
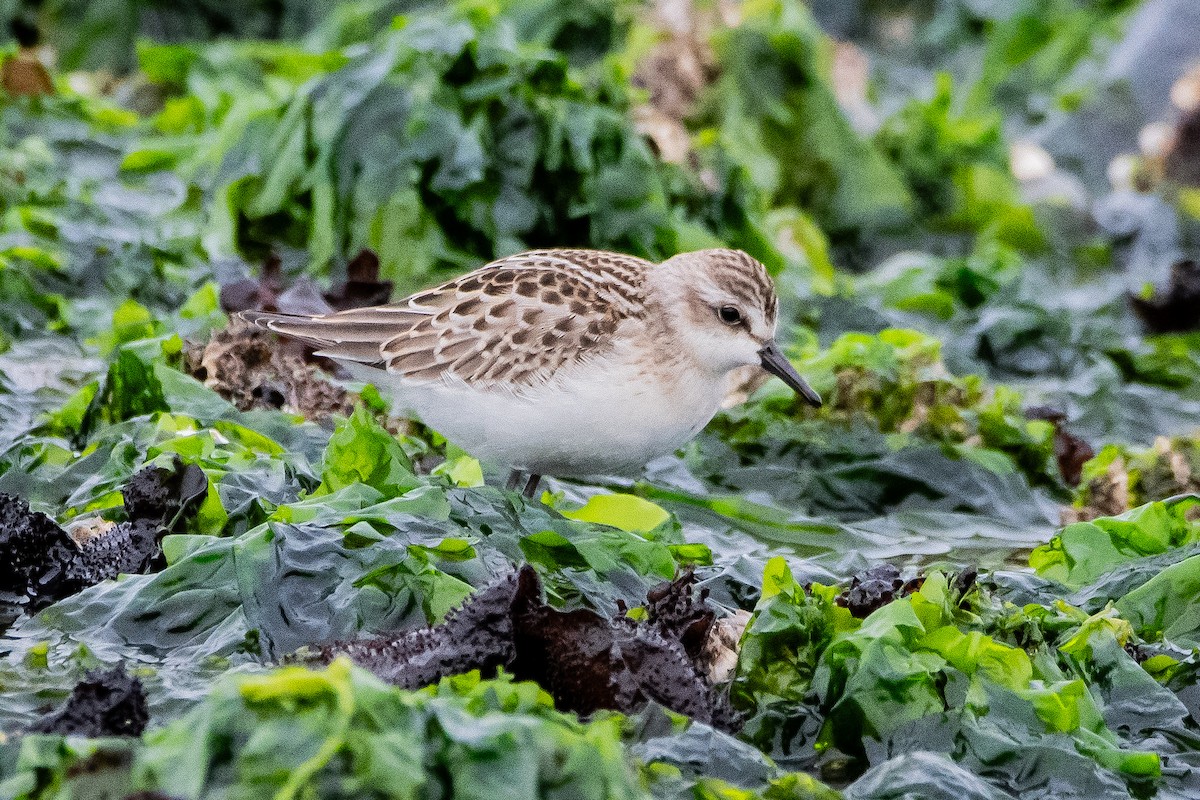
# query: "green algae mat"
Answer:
x=226 y=572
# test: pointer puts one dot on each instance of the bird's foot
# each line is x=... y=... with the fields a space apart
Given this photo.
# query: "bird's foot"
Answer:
x=531 y=484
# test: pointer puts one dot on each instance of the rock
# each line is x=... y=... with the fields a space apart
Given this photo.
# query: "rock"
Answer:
x=107 y=703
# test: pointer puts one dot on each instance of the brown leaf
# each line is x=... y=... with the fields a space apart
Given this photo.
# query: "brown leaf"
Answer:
x=362 y=287
x=1070 y=451
x=23 y=75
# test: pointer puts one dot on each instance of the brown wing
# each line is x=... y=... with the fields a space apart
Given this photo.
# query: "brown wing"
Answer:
x=515 y=321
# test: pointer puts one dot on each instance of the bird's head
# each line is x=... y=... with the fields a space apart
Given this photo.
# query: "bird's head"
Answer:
x=725 y=304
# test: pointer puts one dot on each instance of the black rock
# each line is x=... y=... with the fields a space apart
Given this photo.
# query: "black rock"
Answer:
x=872 y=590
x=40 y=563
x=587 y=662
x=479 y=635
x=108 y=703
x=158 y=494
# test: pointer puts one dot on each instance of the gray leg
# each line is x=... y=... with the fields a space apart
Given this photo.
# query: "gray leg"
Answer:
x=532 y=485
x=514 y=478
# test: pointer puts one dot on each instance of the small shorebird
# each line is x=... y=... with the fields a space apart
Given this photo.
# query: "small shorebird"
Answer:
x=563 y=362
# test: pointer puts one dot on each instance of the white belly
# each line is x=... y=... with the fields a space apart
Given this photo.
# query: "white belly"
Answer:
x=594 y=420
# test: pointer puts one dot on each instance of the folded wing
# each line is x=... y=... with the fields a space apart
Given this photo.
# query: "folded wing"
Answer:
x=513 y=323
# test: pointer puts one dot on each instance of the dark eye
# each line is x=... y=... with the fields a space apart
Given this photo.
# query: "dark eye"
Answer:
x=729 y=315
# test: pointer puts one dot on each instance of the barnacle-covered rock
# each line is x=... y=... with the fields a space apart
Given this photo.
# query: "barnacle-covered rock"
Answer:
x=250 y=369
x=479 y=635
x=158 y=493
x=41 y=563
x=587 y=662
x=875 y=588
x=104 y=703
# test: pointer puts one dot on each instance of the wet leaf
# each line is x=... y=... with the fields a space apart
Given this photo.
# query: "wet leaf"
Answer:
x=624 y=511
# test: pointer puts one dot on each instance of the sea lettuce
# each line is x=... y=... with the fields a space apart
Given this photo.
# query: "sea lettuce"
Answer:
x=343 y=733
x=1084 y=551
x=816 y=680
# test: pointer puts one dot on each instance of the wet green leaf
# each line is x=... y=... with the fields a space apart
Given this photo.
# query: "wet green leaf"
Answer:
x=625 y=511
x=361 y=451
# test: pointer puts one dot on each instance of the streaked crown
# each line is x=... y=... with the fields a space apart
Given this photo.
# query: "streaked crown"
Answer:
x=724 y=300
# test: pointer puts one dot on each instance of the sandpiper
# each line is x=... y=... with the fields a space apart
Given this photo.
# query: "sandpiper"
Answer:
x=564 y=362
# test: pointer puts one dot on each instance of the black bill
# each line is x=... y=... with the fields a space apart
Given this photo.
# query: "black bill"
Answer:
x=776 y=363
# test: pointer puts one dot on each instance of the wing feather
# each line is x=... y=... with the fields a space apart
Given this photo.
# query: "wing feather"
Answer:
x=514 y=322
